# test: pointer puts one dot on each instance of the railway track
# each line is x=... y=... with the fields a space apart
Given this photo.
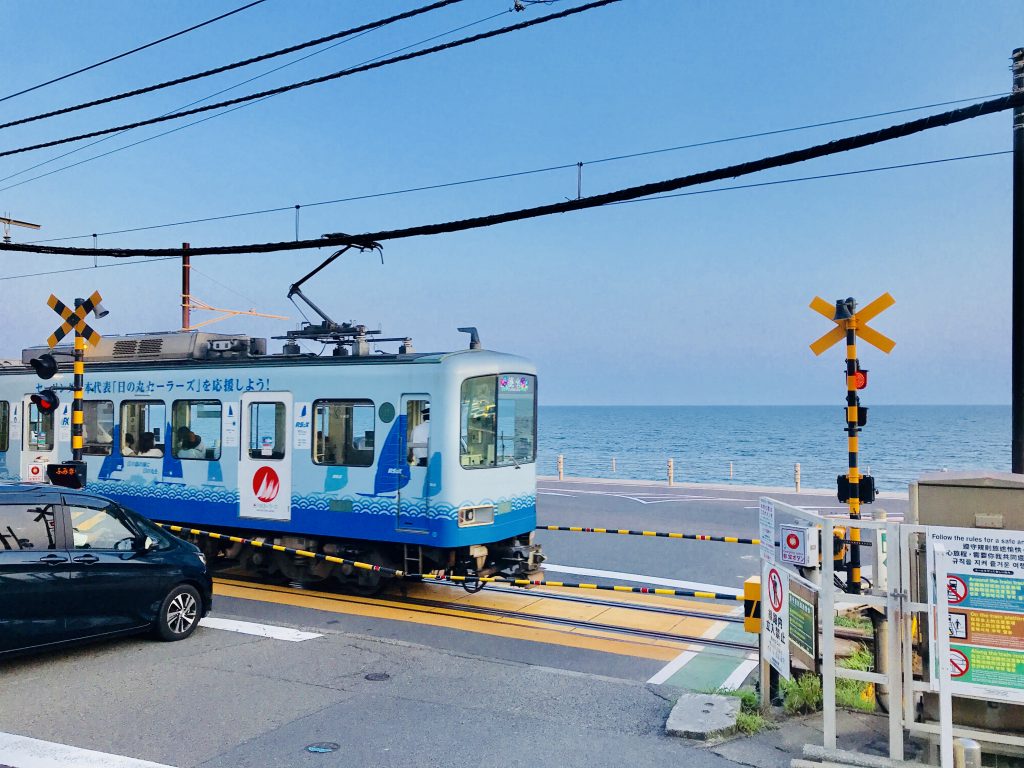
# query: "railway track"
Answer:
x=465 y=607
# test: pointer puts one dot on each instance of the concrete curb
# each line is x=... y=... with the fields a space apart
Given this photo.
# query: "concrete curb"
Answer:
x=703 y=716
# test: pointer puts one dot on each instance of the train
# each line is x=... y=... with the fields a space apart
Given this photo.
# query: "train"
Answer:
x=409 y=460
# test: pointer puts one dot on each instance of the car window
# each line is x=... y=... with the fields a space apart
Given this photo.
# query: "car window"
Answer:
x=105 y=528
x=26 y=526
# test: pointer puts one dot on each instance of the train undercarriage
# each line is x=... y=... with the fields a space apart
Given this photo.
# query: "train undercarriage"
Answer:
x=518 y=557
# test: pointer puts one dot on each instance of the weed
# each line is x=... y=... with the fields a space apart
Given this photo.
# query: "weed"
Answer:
x=801 y=694
x=853 y=694
x=749 y=720
x=853 y=622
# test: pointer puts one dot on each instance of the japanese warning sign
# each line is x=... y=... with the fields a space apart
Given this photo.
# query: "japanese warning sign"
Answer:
x=775 y=616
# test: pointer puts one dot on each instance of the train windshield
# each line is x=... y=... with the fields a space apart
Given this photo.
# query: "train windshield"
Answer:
x=498 y=421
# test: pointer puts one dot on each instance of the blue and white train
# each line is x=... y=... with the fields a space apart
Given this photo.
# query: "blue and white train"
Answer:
x=410 y=460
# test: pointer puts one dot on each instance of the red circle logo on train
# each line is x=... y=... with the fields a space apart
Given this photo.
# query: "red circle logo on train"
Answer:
x=266 y=484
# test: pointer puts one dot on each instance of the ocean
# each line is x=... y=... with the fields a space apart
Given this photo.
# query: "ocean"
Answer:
x=763 y=443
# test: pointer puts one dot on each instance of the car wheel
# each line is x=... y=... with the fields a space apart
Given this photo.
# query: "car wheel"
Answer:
x=179 y=613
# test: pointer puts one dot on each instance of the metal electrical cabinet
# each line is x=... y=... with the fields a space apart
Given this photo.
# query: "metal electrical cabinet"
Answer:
x=971 y=500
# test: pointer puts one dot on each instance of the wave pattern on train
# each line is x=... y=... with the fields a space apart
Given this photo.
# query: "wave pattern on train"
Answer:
x=417 y=461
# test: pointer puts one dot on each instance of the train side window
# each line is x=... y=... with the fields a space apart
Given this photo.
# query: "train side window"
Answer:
x=97 y=427
x=267 y=431
x=5 y=425
x=195 y=429
x=143 y=424
x=343 y=432
x=477 y=419
x=40 y=429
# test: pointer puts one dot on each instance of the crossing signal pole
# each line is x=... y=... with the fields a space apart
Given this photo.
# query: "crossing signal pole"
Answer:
x=854 y=488
x=72 y=474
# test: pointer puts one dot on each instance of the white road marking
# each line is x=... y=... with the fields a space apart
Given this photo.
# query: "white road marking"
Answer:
x=658 y=498
x=674 y=583
x=552 y=493
x=735 y=680
x=685 y=657
x=23 y=752
x=260 y=630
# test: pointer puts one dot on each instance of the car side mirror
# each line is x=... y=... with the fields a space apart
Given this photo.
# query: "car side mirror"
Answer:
x=144 y=544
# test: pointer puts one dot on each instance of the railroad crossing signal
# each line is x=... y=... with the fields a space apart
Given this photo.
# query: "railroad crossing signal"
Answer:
x=75 y=319
x=859 y=322
x=853 y=488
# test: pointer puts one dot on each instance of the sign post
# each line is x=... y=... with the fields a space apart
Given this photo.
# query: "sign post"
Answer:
x=854 y=487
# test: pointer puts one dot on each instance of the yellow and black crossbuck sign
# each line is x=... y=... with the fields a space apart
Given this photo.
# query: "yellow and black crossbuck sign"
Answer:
x=74 y=319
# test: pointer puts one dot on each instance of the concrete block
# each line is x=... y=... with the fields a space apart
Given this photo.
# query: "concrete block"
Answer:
x=703 y=716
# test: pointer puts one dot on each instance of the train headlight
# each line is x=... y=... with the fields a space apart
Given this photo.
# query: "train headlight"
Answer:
x=471 y=516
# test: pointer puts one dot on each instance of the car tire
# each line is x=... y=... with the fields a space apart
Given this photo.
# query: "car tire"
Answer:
x=179 y=613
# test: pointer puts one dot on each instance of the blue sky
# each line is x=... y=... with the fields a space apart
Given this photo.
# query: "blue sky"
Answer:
x=696 y=300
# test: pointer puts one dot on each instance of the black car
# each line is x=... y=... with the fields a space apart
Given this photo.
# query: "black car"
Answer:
x=75 y=566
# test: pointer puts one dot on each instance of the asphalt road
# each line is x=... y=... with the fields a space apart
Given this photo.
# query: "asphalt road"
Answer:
x=731 y=511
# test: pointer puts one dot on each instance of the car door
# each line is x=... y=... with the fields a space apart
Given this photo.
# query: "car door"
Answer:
x=34 y=571
x=113 y=583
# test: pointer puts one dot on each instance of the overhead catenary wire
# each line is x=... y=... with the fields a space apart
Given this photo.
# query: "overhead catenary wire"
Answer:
x=528 y=172
x=236 y=65
x=218 y=114
x=318 y=80
x=638 y=200
x=133 y=50
x=372 y=239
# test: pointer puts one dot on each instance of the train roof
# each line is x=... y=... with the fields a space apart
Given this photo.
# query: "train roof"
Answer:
x=203 y=349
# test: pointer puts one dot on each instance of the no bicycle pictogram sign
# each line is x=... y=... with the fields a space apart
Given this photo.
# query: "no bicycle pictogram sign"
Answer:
x=958 y=663
x=775 y=591
x=956 y=590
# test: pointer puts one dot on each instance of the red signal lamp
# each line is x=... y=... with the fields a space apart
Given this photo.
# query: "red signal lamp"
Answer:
x=46 y=401
x=860 y=378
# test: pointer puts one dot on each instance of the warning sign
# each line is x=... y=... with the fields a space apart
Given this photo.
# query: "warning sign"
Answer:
x=775 y=621
x=956 y=590
x=982 y=571
x=958 y=663
x=799 y=545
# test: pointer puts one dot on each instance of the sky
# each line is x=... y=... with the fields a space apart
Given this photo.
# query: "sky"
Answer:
x=699 y=299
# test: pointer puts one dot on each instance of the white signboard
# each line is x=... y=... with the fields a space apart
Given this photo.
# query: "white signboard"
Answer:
x=302 y=425
x=766 y=524
x=981 y=577
x=15 y=430
x=230 y=426
x=798 y=545
x=36 y=472
x=64 y=423
x=775 y=616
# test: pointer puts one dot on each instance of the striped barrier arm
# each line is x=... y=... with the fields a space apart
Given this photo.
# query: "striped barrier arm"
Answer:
x=660 y=534
x=571 y=585
x=288 y=550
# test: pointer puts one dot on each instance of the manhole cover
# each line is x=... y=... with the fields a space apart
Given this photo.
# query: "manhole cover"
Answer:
x=377 y=677
x=323 y=746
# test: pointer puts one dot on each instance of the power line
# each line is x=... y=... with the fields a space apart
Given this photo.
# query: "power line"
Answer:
x=500 y=176
x=372 y=239
x=777 y=182
x=228 y=67
x=133 y=50
x=226 y=111
x=318 y=80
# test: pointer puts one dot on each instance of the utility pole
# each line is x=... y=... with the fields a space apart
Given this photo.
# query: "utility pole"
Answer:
x=1017 y=339
x=186 y=295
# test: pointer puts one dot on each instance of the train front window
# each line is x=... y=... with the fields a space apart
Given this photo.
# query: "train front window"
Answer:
x=498 y=421
x=40 y=429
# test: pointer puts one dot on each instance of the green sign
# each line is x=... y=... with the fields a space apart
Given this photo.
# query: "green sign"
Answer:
x=803 y=625
x=986 y=666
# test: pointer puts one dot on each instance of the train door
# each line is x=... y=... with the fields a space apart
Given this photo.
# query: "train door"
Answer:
x=39 y=441
x=265 y=456
x=412 y=499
